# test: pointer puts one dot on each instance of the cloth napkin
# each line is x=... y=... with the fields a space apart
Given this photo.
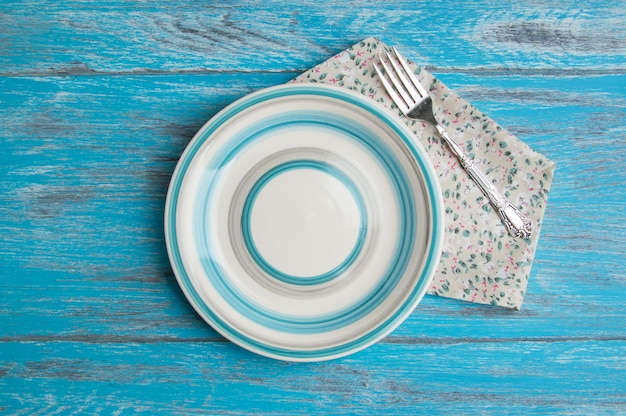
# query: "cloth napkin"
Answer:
x=480 y=261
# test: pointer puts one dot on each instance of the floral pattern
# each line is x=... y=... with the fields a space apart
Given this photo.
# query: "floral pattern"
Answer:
x=480 y=262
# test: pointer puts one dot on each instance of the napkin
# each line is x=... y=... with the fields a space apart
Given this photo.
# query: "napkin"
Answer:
x=480 y=261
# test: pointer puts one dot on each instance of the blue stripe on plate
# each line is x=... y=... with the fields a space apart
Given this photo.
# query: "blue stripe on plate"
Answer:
x=249 y=240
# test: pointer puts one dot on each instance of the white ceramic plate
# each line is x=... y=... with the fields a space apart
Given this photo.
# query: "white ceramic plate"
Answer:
x=303 y=223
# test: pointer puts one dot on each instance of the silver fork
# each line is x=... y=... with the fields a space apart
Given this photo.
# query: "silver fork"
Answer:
x=413 y=100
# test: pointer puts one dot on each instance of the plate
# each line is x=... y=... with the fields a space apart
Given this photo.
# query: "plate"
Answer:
x=303 y=222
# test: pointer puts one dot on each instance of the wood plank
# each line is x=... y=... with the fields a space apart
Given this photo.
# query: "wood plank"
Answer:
x=90 y=37
x=582 y=377
x=87 y=160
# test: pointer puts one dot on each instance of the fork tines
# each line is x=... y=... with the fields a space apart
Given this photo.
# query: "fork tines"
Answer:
x=399 y=81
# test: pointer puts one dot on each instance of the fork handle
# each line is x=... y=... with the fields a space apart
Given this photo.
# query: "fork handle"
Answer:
x=516 y=223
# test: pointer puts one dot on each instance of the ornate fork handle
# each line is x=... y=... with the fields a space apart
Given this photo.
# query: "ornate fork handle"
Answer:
x=516 y=223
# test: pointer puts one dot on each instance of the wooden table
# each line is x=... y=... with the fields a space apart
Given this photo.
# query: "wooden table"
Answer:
x=99 y=98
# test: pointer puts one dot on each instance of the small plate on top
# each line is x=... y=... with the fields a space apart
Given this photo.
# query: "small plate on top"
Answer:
x=303 y=222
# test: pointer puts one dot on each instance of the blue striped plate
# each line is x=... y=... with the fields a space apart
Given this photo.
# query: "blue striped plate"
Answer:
x=303 y=222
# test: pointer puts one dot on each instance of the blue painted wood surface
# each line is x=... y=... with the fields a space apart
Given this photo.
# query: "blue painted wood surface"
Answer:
x=99 y=98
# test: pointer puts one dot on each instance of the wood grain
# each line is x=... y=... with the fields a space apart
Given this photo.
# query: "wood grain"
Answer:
x=191 y=377
x=90 y=37
x=98 y=101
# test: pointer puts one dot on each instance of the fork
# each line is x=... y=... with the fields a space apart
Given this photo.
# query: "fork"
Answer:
x=413 y=100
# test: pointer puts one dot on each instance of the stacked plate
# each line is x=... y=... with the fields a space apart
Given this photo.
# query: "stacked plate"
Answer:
x=303 y=222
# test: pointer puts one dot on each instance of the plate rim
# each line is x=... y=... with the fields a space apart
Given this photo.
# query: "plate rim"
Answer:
x=435 y=203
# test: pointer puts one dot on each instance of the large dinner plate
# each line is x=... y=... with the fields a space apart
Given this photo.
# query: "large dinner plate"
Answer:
x=303 y=222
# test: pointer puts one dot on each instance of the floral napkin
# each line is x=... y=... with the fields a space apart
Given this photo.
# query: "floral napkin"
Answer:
x=480 y=261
